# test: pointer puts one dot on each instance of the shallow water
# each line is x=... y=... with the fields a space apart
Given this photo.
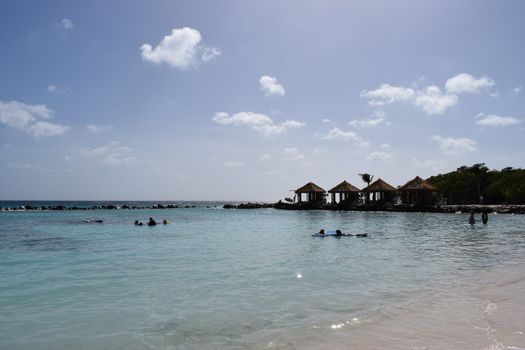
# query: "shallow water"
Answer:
x=236 y=279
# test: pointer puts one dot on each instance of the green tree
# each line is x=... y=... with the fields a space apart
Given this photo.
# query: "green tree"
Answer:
x=367 y=178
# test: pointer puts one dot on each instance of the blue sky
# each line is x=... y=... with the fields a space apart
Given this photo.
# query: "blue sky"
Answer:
x=244 y=100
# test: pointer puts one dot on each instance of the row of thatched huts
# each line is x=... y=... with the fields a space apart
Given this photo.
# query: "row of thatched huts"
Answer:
x=415 y=192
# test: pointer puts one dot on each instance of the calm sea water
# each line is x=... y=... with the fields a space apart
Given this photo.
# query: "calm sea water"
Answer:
x=231 y=279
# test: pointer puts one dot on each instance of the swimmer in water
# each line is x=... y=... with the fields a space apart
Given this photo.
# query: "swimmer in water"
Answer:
x=485 y=217
x=471 y=220
x=152 y=222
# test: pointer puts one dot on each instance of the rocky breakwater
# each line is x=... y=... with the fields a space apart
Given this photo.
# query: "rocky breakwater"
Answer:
x=249 y=206
x=479 y=208
x=29 y=207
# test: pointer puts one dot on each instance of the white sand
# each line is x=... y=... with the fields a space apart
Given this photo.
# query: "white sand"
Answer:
x=485 y=312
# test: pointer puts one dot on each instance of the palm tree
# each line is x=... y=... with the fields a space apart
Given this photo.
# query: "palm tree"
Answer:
x=367 y=178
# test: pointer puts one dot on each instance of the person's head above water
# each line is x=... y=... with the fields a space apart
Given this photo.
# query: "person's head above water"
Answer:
x=321 y=232
x=338 y=232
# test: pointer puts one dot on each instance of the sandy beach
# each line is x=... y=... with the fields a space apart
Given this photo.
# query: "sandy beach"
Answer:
x=485 y=312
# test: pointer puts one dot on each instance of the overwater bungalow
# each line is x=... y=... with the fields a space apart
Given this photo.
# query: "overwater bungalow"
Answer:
x=313 y=192
x=418 y=192
x=347 y=193
x=379 y=191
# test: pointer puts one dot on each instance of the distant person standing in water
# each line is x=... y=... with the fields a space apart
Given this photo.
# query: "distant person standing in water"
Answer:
x=471 y=220
x=485 y=217
x=151 y=222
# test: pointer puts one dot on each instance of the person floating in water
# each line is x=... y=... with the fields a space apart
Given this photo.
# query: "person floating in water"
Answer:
x=338 y=233
x=485 y=217
x=152 y=222
x=321 y=232
x=164 y=222
x=471 y=220
x=139 y=223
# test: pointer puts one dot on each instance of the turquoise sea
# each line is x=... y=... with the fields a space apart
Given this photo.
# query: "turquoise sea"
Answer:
x=229 y=279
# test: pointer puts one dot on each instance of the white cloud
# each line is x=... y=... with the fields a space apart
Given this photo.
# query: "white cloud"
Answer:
x=385 y=145
x=112 y=153
x=387 y=94
x=452 y=146
x=66 y=24
x=98 y=128
x=326 y=120
x=259 y=122
x=380 y=156
x=54 y=89
x=46 y=129
x=26 y=117
x=366 y=123
x=266 y=156
x=20 y=115
x=180 y=49
x=430 y=99
x=377 y=118
x=517 y=90
x=234 y=164
x=338 y=134
x=271 y=86
x=88 y=152
x=293 y=154
x=466 y=83
x=433 y=101
x=117 y=158
x=496 y=120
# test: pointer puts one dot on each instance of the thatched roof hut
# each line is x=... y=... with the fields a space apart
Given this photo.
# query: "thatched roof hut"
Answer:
x=314 y=192
x=417 y=184
x=379 y=186
x=347 y=192
x=379 y=191
x=310 y=187
x=418 y=192
x=344 y=187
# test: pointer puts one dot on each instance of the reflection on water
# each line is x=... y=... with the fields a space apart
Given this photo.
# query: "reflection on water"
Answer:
x=229 y=278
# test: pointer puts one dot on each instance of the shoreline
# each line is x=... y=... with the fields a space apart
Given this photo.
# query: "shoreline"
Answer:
x=450 y=209
x=482 y=311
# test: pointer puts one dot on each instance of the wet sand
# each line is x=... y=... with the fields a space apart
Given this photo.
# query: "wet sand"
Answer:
x=487 y=311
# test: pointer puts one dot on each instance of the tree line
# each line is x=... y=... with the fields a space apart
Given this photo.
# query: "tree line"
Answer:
x=477 y=184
